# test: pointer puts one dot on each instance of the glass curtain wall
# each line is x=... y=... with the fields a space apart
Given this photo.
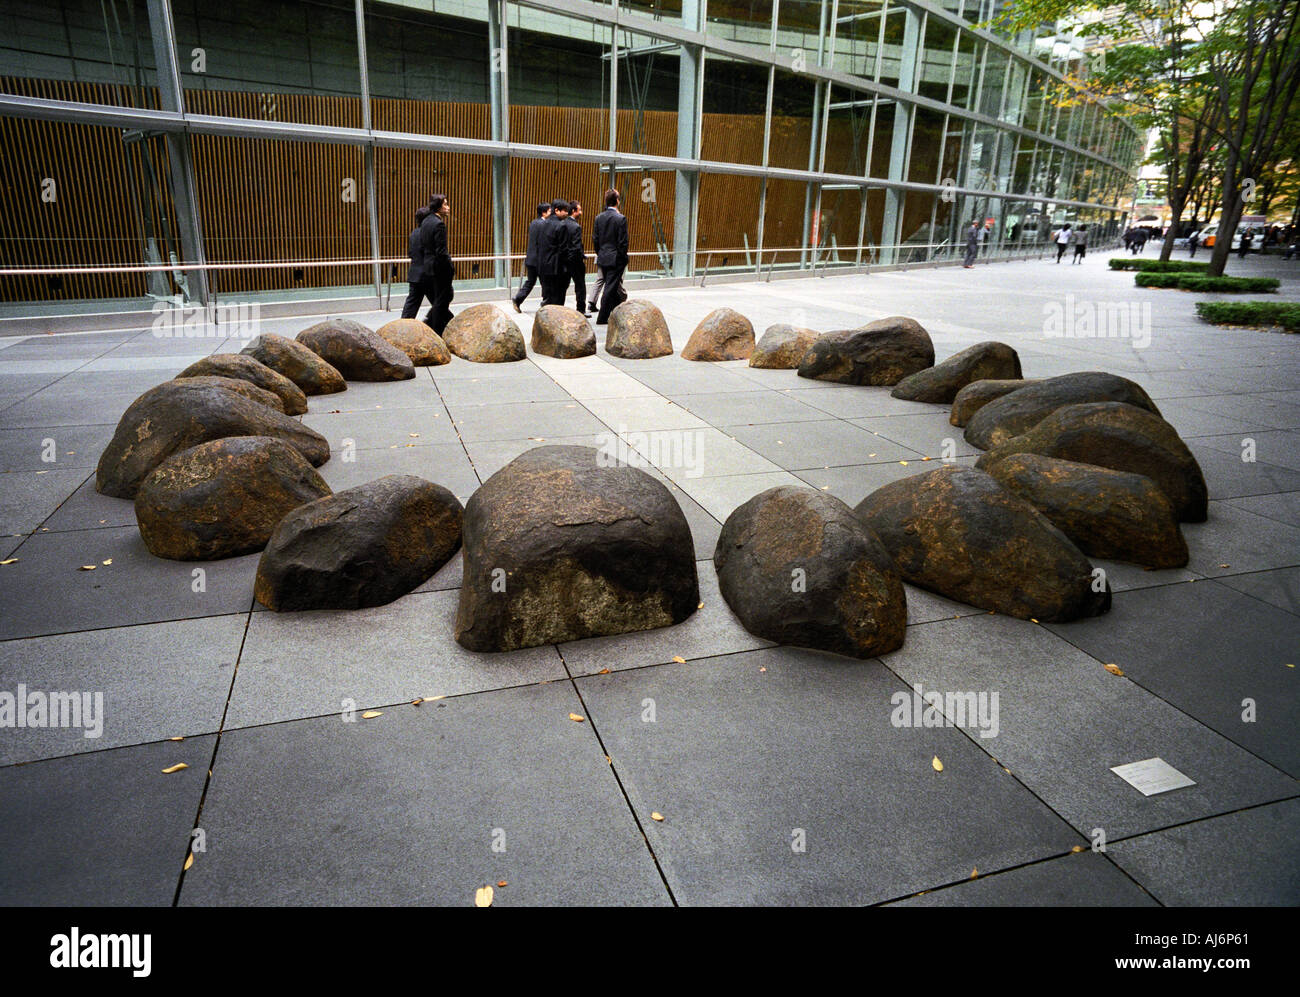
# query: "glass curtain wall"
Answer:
x=744 y=135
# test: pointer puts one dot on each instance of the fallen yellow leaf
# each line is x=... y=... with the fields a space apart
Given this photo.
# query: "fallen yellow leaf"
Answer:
x=936 y=764
x=371 y=714
x=176 y=739
x=974 y=873
x=432 y=699
x=174 y=768
x=12 y=560
x=1114 y=669
x=87 y=567
x=603 y=671
x=903 y=462
x=108 y=561
x=483 y=896
x=679 y=659
x=577 y=718
x=189 y=860
x=656 y=815
x=502 y=883
x=1077 y=848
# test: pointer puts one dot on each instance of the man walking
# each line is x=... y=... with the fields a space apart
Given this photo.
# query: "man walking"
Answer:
x=609 y=238
x=555 y=252
x=421 y=286
x=578 y=264
x=530 y=257
x=1193 y=241
x=972 y=245
x=437 y=262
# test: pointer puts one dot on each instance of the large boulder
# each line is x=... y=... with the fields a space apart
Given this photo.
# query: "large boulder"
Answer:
x=559 y=547
x=977 y=394
x=723 y=334
x=637 y=331
x=245 y=389
x=1021 y=410
x=357 y=352
x=957 y=532
x=365 y=546
x=484 y=334
x=1116 y=515
x=798 y=567
x=782 y=347
x=299 y=364
x=246 y=368
x=1124 y=438
x=177 y=415
x=880 y=353
x=562 y=333
x=941 y=382
x=422 y=345
x=223 y=498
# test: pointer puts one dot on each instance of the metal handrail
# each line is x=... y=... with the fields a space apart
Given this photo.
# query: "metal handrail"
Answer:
x=513 y=257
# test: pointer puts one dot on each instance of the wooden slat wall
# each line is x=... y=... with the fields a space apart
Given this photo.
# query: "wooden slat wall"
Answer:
x=280 y=201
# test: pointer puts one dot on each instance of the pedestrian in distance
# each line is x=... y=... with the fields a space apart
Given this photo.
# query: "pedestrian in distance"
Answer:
x=421 y=286
x=1193 y=241
x=1080 y=240
x=530 y=256
x=1128 y=239
x=578 y=265
x=972 y=244
x=437 y=262
x=609 y=239
x=1062 y=240
x=1244 y=246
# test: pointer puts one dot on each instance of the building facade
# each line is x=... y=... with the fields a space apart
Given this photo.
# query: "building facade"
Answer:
x=180 y=149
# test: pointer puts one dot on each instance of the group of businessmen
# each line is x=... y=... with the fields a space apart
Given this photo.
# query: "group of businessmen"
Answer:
x=555 y=255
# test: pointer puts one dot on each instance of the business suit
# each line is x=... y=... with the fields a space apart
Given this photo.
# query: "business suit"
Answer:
x=609 y=236
x=421 y=287
x=578 y=271
x=440 y=269
x=530 y=262
x=556 y=244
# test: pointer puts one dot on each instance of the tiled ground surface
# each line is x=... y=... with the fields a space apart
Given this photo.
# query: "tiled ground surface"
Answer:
x=777 y=771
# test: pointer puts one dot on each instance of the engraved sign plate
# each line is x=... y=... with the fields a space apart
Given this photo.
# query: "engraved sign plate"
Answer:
x=1152 y=776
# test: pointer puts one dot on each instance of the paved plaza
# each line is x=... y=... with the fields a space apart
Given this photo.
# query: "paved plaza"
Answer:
x=778 y=773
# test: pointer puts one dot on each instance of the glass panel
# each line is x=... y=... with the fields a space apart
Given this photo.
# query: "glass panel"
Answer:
x=272 y=60
x=728 y=222
x=792 y=109
x=278 y=201
x=85 y=50
x=735 y=100
x=647 y=95
x=559 y=69
x=82 y=196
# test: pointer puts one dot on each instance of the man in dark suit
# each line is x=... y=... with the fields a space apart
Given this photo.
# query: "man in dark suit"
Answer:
x=578 y=265
x=421 y=287
x=438 y=266
x=530 y=257
x=555 y=245
x=609 y=236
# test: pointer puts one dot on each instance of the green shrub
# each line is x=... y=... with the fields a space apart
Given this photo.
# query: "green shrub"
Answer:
x=1196 y=282
x=1158 y=279
x=1283 y=313
x=1159 y=266
x=1234 y=285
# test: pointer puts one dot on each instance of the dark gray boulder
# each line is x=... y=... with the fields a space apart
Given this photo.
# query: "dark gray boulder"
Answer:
x=365 y=546
x=177 y=415
x=782 y=347
x=957 y=532
x=798 y=567
x=299 y=364
x=977 y=394
x=223 y=498
x=1021 y=410
x=1116 y=515
x=358 y=353
x=941 y=382
x=239 y=366
x=559 y=547
x=1124 y=438
x=879 y=353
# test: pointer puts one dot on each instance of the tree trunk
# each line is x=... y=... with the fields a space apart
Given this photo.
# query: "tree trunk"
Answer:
x=1176 y=205
x=1229 y=215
